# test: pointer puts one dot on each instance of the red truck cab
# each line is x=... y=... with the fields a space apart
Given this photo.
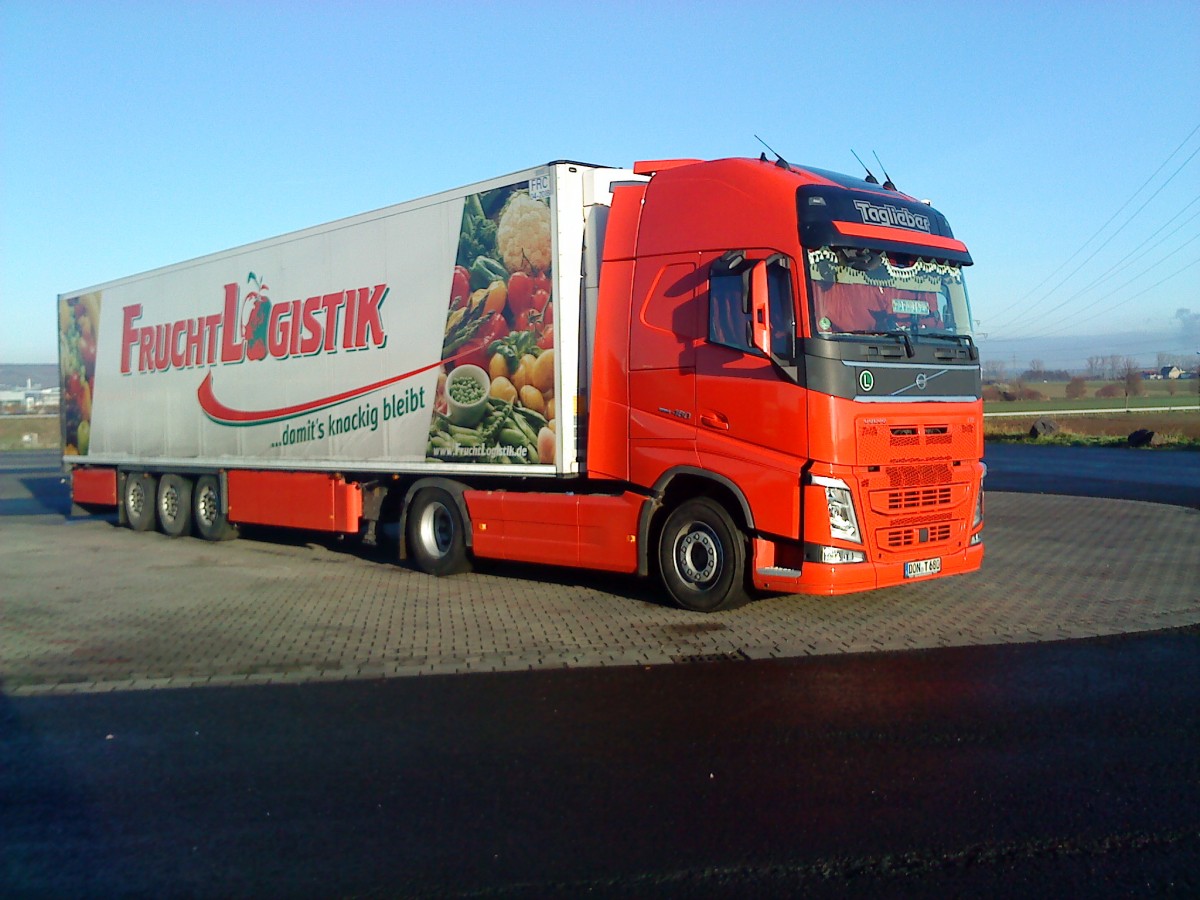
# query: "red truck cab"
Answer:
x=786 y=353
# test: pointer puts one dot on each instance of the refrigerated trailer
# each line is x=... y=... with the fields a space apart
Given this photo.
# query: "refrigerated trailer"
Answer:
x=736 y=374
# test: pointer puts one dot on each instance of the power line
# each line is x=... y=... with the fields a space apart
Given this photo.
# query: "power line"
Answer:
x=1093 y=313
x=1123 y=225
x=1153 y=175
x=1147 y=290
x=1004 y=322
x=1121 y=265
x=1109 y=239
x=1123 y=262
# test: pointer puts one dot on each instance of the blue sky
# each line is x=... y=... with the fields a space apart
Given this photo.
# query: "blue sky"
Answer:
x=1057 y=137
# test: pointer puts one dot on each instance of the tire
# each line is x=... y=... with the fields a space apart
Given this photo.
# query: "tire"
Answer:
x=702 y=557
x=210 y=521
x=436 y=533
x=138 y=500
x=175 y=505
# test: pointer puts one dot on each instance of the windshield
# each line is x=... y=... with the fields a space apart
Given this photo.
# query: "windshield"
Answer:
x=869 y=291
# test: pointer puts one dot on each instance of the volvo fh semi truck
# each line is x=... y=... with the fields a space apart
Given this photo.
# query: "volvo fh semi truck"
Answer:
x=735 y=375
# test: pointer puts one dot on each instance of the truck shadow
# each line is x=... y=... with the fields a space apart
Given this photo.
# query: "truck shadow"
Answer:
x=47 y=494
x=627 y=587
x=386 y=552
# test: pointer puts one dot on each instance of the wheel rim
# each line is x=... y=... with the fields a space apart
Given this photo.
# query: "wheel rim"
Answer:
x=206 y=506
x=436 y=529
x=170 y=504
x=698 y=556
x=137 y=499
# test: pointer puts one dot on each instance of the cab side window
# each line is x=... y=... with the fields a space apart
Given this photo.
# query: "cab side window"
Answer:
x=728 y=315
x=783 y=316
x=729 y=311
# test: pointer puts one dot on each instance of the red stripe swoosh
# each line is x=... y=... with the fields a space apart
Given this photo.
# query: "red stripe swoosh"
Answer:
x=227 y=415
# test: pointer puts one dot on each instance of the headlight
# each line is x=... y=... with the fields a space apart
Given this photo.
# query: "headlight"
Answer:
x=979 y=501
x=843 y=523
x=834 y=556
x=837 y=555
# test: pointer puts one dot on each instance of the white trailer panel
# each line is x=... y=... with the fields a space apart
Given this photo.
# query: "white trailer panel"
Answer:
x=329 y=348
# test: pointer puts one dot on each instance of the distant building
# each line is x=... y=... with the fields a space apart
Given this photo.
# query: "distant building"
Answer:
x=1170 y=372
x=12 y=401
x=32 y=398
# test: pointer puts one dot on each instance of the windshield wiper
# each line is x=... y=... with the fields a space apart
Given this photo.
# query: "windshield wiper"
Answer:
x=902 y=335
x=962 y=340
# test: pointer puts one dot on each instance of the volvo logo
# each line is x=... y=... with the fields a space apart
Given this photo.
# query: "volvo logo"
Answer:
x=922 y=380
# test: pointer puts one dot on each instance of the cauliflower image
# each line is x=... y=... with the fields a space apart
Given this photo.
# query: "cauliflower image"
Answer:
x=523 y=235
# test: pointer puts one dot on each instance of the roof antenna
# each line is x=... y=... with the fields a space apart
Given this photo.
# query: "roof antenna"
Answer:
x=779 y=160
x=888 y=184
x=871 y=179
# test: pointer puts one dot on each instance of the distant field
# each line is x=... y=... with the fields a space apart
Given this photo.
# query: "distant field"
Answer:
x=1092 y=419
x=1172 y=428
x=1086 y=404
x=1154 y=393
x=28 y=432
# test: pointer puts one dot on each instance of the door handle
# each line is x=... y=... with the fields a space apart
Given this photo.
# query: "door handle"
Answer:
x=714 y=420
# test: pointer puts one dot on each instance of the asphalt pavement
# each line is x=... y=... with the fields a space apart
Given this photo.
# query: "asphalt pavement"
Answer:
x=832 y=763
x=92 y=607
x=1061 y=769
x=1122 y=473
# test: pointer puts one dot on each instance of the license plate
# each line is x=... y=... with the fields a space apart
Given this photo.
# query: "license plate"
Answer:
x=922 y=567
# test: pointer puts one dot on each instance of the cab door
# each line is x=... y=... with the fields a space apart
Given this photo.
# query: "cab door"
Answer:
x=664 y=333
x=751 y=416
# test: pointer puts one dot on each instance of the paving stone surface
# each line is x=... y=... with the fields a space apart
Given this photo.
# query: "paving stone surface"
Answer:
x=87 y=606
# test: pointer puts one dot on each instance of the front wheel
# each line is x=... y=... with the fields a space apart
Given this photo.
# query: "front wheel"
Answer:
x=436 y=533
x=702 y=557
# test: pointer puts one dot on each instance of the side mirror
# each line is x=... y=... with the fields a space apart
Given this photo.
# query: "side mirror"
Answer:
x=760 y=309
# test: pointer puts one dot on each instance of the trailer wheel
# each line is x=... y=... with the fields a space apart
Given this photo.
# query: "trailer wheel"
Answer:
x=702 y=557
x=175 y=505
x=138 y=500
x=211 y=523
x=437 y=533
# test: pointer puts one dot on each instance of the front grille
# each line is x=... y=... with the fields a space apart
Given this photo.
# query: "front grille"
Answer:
x=919 y=498
x=899 y=538
x=914 y=476
x=880 y=443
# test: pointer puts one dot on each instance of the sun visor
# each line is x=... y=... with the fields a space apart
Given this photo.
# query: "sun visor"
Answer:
x=833 y=217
